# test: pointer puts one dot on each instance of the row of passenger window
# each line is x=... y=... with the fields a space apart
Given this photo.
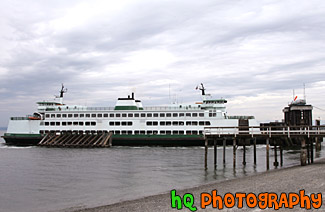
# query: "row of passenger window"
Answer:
x=130 y=132
x=178 y=123
x=112 y=115
x=69 y=123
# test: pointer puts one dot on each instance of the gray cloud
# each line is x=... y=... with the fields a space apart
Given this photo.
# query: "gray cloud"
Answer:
x=104 y=49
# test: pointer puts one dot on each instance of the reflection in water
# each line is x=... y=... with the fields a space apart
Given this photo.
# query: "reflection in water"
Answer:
x=43 y=179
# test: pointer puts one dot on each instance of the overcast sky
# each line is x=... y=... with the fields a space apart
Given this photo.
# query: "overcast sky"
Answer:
x=252 y=52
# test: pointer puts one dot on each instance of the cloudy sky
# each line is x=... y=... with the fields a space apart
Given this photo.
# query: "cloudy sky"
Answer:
x=252 y=52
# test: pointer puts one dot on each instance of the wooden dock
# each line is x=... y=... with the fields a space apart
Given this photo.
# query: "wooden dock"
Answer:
x=275 y=136
x=77 y=140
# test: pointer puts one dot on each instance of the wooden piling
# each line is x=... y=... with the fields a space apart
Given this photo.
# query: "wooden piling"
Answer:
x=224 y=151
x=267 y=153
x=303 y=152
x=254 y=151
x=311 y=150
x=244 y=154
x=276 y=163
x=234 y=152
x=281 y=154
x=308 y=150
x=318 y=144
x=206 y=154
x=215 y=153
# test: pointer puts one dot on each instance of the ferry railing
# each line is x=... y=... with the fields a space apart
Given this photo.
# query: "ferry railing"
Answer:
x=254 y=131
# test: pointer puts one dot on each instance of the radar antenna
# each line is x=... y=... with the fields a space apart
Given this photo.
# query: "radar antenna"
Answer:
x=63 y=90
x=202 y=89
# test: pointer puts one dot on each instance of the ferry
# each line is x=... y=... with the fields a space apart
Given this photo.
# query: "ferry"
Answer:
x=129 y=122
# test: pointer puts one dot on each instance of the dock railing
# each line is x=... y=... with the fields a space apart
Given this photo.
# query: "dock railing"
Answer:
x=265 y=131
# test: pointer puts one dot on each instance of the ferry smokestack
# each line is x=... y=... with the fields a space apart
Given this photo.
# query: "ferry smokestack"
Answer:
x=132 y=95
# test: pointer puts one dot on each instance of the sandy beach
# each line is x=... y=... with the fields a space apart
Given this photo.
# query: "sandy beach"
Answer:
x=311 y=178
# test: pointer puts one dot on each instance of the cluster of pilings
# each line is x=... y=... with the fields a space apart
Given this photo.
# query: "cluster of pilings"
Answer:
x=307 y=148
x=77 y=140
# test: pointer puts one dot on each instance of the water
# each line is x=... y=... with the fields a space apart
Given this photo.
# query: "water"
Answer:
x=49 y=179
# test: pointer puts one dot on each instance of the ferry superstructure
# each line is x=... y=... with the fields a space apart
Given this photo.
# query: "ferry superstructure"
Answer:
x=129 y=121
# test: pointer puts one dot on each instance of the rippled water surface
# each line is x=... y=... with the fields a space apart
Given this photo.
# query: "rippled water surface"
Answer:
x=49 y=179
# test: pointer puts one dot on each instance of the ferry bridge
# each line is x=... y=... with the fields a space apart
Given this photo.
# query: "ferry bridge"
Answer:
x=277 y=136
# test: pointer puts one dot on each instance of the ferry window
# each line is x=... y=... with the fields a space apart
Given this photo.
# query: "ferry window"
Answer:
x=117 y=115
x=194 y=114
x=46 y=123
x=188 y=132
x=175 y=115
x=111 y=123
x=129 y=123
x=188 y=123
x=194 y=122
x=47 y=115
x=155 y=123
x=162 y=132
x=105 y=115
x=116 y=132
x=194 y=132
x=207 y=123
x=168 y=115
x=129 y=132
x=123 y=123
x=136 y=115
x=81 y=123
x=99 y=115
x=168 y=123
x=64 y=115
x=162 y=123
x=201 y=114
x=64 y=123
x=42 y=123
x=201 y=123
x=200 y=132
x=149 y=123
x=188 y=114
x=175 y=123
x=81 y=115
x=69 y=123
x=149 y=132
x=162 y=114
x=181 y=132
x=136 y=132
x=155 y=132
x=93 y=123
x=75 y=123
x=117 y=123
x=181 y=123
x=52 y=115
x=58 y=115
x=123 y=132
x=93 y=115
x=130 y=114
x=210 y=114
x=123 y=114
x=168 y=132
x=149 y=114
x=75 y=115
x=52 y=123
x=142 y=132
x=69 y=115
x=181 y=114
x=57 y=123
x=175 y=132
x=87 y=123
x=143 y=115
x=155 y=115
x=111 y=115
x=87 y=115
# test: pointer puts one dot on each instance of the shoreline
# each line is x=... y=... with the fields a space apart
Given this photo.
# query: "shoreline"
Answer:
x=290 y=179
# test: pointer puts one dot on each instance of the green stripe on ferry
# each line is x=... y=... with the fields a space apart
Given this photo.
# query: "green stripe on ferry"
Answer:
x=126 y=108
